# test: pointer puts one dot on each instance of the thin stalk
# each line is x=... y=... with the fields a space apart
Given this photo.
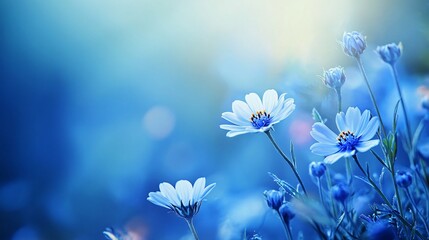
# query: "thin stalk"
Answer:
x=285 y=227
x=398 y=197
x=320 y=191
x=287 y=160
x=329 y=185
x=371 y=94
x=338 y=91
x=407 y=122
x=349 y=171
x=417 y=210
x=192 y=228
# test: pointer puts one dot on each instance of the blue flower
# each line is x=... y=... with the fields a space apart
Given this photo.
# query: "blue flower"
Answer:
x=317 y=169
x=340 y=192
x=354 y=43
x=185 y=199
x=286 y=212
x=403 y=179
x=334 y=77
x=255 y=115
x=390 y=53
x=274 y=199
x=356 y=132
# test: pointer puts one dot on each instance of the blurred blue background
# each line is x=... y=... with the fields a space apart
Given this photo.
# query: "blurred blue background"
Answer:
x=103 y=100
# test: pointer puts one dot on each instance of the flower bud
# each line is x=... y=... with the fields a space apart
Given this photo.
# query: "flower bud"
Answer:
x=334 y=77
x=340 y=192
x=274 y=199
x=317 y=169
x=390 y=53
x=286 y=212
x=354 y=43
x=403 y=179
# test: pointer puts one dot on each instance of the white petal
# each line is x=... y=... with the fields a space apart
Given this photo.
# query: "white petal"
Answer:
x=323 y=134
x=370 y=130
x=366 y=115
x=324 y=149
x=334 y=157
x=233 y=118
x=232 y=127
x=352 y=118
x=199 y=186
x=158 y=199
x=254 y=102
x=242 y=110
x=365 y=146
x=279 y=105
x=170 y=193
x=341 y=122
x=287 y=109
x=234 y=133
x=184 y=190
x=207 y=190
x=270 y=100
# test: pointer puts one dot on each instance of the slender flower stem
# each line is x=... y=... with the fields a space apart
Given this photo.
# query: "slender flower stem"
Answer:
x=285 y=227
x=407 y=122
x=338 y=91
x=287 y=160
x=319 y=185
x=417 y=210
x=371 y=94
x=192 y=228
x=398 y=197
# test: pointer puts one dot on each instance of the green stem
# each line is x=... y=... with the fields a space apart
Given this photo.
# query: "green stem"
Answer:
x=407 y=122
x=371 y=94
x=338 y=91
x=192 y=228
x=287 y=160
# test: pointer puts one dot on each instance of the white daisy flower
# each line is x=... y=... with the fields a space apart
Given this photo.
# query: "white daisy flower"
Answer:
x=184 y=199
x=256 y=115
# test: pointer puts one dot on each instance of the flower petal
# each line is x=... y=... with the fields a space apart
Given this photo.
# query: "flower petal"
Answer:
x=321 y=133
x=242 y=110
x=254 y=102
x=233 y=118
x=287 y=108
x=158 y=199
x=370 y=130
x=279 y=105
x=334 y=157
x=270 y=100
x=168 y=191
x=352 y=118
x=207 y=190
x=366 y=115
x=341 y=122
x=365 y=146
x=184 y=190
x=199 y=186
x=324 y=149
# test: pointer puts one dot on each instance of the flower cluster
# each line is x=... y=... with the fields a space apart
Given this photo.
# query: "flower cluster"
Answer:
x=334 y=213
